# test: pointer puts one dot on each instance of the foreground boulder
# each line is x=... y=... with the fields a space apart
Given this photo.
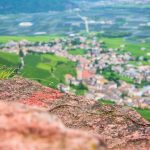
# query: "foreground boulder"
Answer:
x=25 y=128
x=121 y=127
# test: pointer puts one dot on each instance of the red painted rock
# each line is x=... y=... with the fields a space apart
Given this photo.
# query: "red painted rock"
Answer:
x=28 y=92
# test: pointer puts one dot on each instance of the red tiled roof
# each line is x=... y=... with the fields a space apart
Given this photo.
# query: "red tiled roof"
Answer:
x=86 y=74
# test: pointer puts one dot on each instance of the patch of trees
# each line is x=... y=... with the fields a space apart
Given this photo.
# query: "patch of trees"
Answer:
x=76 y=41
x=110 y=34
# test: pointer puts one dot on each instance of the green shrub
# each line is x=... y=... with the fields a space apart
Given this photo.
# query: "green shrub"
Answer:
x=6 y=72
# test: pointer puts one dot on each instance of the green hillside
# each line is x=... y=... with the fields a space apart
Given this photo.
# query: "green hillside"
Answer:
x=44 y=38
x=47 y=69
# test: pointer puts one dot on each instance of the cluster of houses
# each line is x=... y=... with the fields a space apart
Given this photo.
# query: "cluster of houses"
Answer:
x=95 y=58
x=139 y=73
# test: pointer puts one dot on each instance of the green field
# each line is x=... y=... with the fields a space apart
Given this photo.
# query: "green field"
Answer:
x=9 y=59
x=44 y=38
x=106 y=102
x=144 y=112
x=47 y=69
x=113 y=42
x=135 y=49
x=77 y=51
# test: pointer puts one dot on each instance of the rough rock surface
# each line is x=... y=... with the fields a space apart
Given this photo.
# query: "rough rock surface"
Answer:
x=27 y=92
x=25 y=128
x=122 y=127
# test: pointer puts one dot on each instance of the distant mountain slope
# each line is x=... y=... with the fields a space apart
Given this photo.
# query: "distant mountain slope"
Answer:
x=31 y=6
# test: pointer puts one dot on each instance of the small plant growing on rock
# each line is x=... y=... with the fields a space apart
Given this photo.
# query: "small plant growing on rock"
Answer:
x=6 y=72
